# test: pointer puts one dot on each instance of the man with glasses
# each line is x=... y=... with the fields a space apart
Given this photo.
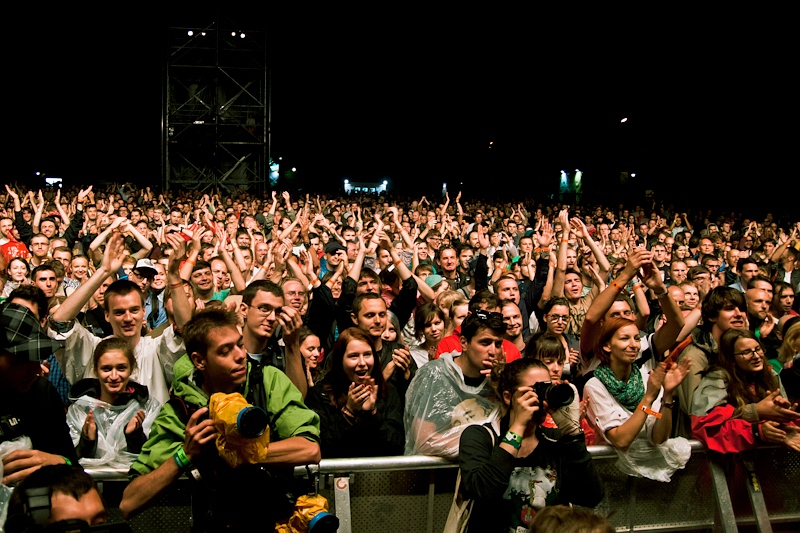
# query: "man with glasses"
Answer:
x=268 y=318
x=40 y=247
x=453 y=392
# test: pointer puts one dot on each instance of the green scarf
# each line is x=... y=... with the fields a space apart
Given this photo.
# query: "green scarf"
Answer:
x=629 y=393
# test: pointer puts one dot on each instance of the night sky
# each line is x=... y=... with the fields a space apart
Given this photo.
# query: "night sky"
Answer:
x=417 y=98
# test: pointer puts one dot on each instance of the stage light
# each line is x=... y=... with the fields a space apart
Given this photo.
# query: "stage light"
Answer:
x=633 y=174
x=242 y=35
x=233 y=34
x=385 y=182
x=346 y=182
x=624 y=120
x=190 y=33
x=203 y=33
x=294 y=169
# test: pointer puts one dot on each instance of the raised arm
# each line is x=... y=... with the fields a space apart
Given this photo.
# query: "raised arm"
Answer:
x=182 y=308
x=561 y=265
x=112 y=261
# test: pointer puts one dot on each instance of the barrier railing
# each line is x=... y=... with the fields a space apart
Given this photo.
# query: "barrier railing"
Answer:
x=413 y=493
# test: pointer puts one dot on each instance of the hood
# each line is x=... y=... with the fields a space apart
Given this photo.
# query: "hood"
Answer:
x=91 y=387
x=705 y=342
x=184 y=385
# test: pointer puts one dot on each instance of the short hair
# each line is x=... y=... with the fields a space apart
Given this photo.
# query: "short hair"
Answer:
x=368 y=273
x=359 y=300
x=716 y=300
x=60 y=479
x=32 y=294
x=121 y=287
x=564 y=519
x=752 y=283
x=478 y=320
x=696 y=271
x=552 y=302
x=63 y=249
x=201 y=265
x=195 y=332
x=422 y=268
x=44 y=267
x=705 y=258
x=254 y=288
x=745 y=261
x=114 y=343
x=486 y=298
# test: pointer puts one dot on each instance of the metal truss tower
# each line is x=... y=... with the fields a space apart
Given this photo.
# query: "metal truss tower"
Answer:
x=216 y=108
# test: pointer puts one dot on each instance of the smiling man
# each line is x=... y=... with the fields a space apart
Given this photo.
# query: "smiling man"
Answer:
x=124 y=308
x=217 y=362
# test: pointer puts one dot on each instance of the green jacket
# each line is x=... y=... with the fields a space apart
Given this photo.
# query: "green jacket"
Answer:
x=289 y=417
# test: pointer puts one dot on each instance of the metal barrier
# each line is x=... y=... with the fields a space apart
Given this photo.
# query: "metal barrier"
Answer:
x=413 y=494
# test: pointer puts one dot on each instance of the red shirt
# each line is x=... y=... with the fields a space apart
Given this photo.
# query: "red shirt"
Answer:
x=13 y=249
x=452 y=343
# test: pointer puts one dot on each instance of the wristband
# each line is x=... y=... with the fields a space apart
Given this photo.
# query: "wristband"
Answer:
x=67 y=461
x=637 y=287
x=176 y=285
x=514 y=439
x=181 y=460
x=190 y=262
x=397 y=263
x=642 y=407
x=616 y=285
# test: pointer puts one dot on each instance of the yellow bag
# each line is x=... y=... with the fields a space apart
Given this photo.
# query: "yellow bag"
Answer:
x=238 y=442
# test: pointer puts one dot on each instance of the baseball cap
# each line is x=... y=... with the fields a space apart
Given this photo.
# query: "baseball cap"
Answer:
x=23 y=336
x=433 y=280
x=334 y=246
x=146 y=268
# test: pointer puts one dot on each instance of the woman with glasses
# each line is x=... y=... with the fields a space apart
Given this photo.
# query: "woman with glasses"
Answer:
x=740 y=402
x=556 y=317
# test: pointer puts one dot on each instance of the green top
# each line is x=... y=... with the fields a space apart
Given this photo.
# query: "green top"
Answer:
x=289 y=417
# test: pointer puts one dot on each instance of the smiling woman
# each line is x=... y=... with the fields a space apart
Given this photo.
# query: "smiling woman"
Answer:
x=632 y=409
x=740 y=402
x=111 y=416
x=361 y=415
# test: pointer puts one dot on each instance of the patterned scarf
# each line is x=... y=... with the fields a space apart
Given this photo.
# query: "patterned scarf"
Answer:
x=629 y=393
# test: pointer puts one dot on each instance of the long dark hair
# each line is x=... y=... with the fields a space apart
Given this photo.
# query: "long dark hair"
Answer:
x=336 y=383
x=506 y=377
x=740 y=391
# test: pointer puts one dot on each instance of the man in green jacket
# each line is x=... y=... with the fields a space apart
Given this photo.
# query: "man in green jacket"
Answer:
x=182 y=441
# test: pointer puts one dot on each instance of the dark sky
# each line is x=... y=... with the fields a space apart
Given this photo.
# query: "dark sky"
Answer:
x=417 y=98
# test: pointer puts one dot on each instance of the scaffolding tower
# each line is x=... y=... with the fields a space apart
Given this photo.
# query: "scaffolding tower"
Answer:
x=216 y=108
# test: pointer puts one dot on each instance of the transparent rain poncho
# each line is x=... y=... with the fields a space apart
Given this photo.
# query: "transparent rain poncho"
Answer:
x=439 y=406
x=111 y=421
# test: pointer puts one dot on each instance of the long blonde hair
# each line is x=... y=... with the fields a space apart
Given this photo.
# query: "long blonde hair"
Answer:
x=787 y=351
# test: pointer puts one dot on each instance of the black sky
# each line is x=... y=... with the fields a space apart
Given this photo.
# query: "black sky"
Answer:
x=417 y=98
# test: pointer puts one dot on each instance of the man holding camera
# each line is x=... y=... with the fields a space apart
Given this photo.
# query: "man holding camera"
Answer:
x=183 y=436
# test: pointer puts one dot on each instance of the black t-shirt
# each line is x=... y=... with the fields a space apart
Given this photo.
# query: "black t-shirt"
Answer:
x=38 y=414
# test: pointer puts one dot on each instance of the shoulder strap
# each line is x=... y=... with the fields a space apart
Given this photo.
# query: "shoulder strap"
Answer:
x=489 y=428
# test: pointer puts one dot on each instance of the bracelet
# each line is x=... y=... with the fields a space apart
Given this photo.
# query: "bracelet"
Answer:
x=642 y=407
x=181 y=460
x=176 y=285
x=397 y=263
x=616 y=285
x=514 y=439
x=564 y=240
x=637 y=287
x=67 y=461
x=193 y=263
x=668 y=405
x=347 y=412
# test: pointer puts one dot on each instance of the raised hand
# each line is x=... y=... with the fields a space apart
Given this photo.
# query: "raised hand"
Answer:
x=135 y=423
x=89 y=429
x=777 y=408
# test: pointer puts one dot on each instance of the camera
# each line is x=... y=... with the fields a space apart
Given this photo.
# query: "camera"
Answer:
x=556 y=396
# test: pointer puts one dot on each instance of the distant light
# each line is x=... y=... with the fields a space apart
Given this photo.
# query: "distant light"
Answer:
x=385 y=182
x=633 y=174
x=203 y=33
x=346 y=182
x=233 y=34
x=242 y=35
x=190 y=33
x=624 y=120
x=294 y=169
x=576 y=170
x=38 y=173
x=280 y=159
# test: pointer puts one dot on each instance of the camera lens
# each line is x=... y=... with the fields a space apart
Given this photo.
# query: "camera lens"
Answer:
x=252 y=422
x=559 y=396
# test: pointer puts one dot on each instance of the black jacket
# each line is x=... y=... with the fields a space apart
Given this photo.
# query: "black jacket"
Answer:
x=486 y=473
x=381 y=434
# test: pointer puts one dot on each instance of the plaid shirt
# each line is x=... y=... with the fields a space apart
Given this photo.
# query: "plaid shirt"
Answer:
x=57 y=378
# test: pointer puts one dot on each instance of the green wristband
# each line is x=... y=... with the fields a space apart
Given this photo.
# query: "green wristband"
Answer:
x=513 y=439
x=69 y=463
x=181 y=460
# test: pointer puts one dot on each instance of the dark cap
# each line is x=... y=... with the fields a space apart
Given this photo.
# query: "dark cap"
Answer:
x=334 y=246
x=23 y=336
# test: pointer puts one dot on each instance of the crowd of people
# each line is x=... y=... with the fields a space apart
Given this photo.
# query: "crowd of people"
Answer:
x=504 y=336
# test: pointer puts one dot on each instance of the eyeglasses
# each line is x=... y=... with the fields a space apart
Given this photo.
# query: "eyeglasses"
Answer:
x=749 y=354
x=266 y=310
x=559 y=318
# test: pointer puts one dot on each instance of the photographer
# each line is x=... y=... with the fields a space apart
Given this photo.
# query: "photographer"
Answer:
x=182 y=439
x=532 y=466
